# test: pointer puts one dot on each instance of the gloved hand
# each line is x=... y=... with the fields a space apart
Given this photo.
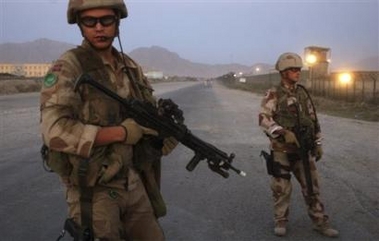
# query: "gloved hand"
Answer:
x=289 y=136
x=169 y=144
x=318 y=152
x=134 y=131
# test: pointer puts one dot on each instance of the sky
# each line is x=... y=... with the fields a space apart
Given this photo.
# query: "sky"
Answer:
x=217 y=31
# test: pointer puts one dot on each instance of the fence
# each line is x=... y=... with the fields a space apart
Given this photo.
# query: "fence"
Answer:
x=362 y=87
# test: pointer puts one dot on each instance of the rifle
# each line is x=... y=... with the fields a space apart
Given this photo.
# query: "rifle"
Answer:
x=303 y=151
x=168 y=121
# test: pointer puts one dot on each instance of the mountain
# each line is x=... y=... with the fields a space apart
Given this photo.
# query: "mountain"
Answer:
x=38 y=51
x=151 y=58
x=157 y=58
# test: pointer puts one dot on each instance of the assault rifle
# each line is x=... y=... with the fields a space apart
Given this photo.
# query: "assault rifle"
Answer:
x=303 y=151
x=168 y=121
x=306 y=145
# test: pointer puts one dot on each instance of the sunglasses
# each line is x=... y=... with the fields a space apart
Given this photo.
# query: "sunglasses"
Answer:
x=294 y=69
x=105 y=21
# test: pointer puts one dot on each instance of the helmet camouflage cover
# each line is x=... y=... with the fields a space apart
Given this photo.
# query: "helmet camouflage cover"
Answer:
x=288 y=60
x=75 y=6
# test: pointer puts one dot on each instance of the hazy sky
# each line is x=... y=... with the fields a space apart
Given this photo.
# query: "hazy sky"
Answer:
x=217 y=31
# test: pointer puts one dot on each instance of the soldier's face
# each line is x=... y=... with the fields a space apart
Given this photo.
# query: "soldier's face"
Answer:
x=292 y=74
x=99 y=27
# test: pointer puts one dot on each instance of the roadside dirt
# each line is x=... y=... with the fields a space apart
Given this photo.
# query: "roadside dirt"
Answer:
x=14 y=86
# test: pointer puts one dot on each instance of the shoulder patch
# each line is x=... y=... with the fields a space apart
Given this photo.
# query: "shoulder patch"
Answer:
x=57 y=67
x=50 y=80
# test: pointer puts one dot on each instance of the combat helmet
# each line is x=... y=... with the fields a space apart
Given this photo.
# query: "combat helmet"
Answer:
x=75 y=6
x=288 y=60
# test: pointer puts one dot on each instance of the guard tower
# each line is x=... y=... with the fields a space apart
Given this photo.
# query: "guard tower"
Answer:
x=317 y=59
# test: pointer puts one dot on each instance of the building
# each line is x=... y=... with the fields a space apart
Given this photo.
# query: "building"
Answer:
x=26 y=69
x=317 y=59
x=154 y=74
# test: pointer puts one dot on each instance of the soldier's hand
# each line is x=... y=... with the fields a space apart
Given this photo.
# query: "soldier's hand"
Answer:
x=169 y=144
x=290 y=138
x=318 y=152
x=134 y=131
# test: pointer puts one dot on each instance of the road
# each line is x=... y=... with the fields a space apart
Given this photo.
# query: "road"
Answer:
x=202 y=206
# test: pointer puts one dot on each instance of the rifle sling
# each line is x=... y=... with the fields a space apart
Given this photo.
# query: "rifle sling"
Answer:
x=133 y=83
x=91 y=63
x=86 y=195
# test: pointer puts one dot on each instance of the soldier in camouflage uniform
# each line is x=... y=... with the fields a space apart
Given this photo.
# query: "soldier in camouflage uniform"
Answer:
x=280 y=111
x=90 y=137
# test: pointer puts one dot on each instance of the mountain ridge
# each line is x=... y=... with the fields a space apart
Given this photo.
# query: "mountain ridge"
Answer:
x=150 y=58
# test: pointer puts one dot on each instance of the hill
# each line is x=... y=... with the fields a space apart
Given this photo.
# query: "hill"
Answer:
x=151 y=58
x=38 y=51
x=157 y=58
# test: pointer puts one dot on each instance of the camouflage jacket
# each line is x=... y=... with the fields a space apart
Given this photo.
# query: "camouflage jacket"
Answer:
x=280 y=108
x=70 y=120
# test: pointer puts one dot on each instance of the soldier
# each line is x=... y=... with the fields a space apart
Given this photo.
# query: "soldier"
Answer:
x=112 y=187
x=283 y=109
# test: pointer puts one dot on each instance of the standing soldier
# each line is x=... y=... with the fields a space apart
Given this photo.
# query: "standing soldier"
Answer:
x=288 y=118
x=91 y=143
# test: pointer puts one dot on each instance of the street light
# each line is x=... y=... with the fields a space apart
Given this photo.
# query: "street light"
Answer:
x=311 y=60
x=257 y=69
x=345 y=79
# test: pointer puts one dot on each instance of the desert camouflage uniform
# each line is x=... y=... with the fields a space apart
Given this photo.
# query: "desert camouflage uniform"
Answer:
x=69 y=122
x=278 y=102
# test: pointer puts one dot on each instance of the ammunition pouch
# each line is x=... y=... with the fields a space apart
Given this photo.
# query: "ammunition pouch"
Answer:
x=54 y=161
x=273 y=167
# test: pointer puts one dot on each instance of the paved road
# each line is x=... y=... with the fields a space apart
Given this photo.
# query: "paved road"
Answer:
x=202 y=206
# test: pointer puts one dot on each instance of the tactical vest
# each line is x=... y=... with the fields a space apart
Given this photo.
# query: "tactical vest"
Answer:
x=149 y=170
x=297 y=114
x=93 y=65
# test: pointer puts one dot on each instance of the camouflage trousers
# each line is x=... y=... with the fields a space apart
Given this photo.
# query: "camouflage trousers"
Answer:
x=282 y=189
x=119 y=214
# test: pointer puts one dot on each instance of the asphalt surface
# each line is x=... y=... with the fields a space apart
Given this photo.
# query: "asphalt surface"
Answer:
x=202 y=205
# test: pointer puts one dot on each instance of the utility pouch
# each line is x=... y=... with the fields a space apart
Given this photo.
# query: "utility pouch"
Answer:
x=54 y=161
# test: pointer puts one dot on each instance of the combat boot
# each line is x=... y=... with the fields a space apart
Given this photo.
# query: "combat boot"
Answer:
x=280 y=228
x=326 y=230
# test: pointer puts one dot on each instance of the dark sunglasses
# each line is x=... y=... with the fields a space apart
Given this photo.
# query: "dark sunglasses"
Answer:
x=294 y=69
x=105 y=21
